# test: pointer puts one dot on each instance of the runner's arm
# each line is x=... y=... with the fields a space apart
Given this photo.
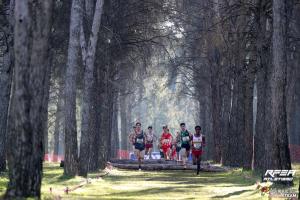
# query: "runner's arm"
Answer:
x=160 y=140
x=131 y=138
x=191 y=138
x=171 y=139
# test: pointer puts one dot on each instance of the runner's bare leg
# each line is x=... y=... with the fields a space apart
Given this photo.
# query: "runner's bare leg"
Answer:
x=198 y=158
x=150 y=153
x=139 y=159
x=146 y=152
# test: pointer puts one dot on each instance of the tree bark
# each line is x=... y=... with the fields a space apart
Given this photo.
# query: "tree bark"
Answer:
x=95 y=127
x=226 y=114
x=248 y=117
x=26 y=126
x=293 y=102
x=104 y=146
x=6 y=70
x=236 y=123
x=124 y=134
x=216 y=111
x=89 y=53
x=262 y=136
x=281 y=153
x=58 y=119
x=44 y=114
x=114 y=129
x=71 y=149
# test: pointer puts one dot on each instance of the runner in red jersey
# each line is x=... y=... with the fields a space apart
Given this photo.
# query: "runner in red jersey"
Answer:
x=166 y=142
x=198 y=142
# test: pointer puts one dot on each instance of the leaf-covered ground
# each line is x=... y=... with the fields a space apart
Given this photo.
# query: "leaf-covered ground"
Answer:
x=151 y=185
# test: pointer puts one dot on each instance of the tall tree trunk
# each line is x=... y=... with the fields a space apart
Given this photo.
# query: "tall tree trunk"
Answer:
x=71 y=149
x=226 y=113
x=129 y=120
x=26 y=126
x=214 y=43
x=281 y=153
x=110 y=105
x=58 y=119
x=44 y=114
x=236 y=125
x=6 y=70
x=216 y=111
x=114 y=129
x=94 y=135
x=293 y=109
x=89 y=52
x=262 y=136
x=105 y=118
x=248 y=125
x=124 y=134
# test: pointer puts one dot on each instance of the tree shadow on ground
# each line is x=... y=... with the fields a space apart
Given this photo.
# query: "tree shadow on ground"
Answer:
x=236 y=193
x=59 y=179
x=187 y=178
x=152 y=191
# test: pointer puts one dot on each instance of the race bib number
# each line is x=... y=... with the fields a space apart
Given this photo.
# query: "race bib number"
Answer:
x=149 y=139
x=139 y=140
x=166 y=141
x=197 y=145
x=185 y=139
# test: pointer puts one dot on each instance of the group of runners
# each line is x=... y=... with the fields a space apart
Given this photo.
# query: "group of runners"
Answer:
x=173 y=148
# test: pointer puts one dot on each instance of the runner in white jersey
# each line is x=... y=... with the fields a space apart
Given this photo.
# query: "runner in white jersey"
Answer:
x=177 y=145
x=150 y=139
x=198 y=142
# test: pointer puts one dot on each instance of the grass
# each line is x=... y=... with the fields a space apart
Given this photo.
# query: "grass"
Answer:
x=151 y=185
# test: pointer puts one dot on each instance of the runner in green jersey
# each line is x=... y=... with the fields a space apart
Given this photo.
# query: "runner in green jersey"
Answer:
x=185 y=143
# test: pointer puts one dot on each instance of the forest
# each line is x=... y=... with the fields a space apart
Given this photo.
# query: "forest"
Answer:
x=76 y=76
